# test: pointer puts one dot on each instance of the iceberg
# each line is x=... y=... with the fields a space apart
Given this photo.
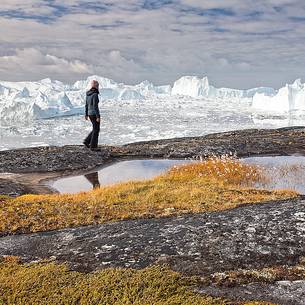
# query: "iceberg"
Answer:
x=48 y=98
x=290 y=98
x=191 y=86
x=23 y=93
x=103 y=81
x=195 y=87
x=147 y=89
x=25 y=101
x=130 y=94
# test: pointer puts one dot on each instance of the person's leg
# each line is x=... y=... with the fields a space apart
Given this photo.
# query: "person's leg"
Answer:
x=95 y=132
x=88 y=139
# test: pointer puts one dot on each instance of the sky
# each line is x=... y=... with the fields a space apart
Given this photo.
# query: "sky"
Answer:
x=236 y=43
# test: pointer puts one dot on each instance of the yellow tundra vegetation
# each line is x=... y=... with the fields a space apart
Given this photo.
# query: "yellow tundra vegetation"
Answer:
x=50 y=283
x=212 y=185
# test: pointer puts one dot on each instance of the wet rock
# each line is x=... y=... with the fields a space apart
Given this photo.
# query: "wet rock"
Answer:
x=11 y=188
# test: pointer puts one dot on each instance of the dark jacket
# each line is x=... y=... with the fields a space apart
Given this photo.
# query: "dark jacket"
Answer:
x=92 y=101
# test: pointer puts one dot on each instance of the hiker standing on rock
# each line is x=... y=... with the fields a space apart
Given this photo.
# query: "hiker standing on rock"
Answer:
x=92 y=112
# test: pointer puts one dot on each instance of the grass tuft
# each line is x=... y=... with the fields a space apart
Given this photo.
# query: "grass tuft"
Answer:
x=212 y=185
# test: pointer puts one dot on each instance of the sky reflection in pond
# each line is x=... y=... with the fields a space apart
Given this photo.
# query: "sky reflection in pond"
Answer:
x=283 y=172
x=118 y=172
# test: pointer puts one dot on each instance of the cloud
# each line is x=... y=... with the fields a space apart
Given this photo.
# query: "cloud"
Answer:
x=237 y=43
x=35 y=63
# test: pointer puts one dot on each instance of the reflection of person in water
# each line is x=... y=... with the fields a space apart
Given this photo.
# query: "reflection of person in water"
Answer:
x=93 y=179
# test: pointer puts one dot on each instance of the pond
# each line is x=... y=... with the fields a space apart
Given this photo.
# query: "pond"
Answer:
x=119 y=172
x=283 y=172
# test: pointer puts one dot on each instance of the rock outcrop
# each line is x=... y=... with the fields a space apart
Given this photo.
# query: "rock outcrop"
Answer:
x=251 y=236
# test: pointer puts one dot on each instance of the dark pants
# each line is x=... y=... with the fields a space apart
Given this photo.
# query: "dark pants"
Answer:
x=92 y=138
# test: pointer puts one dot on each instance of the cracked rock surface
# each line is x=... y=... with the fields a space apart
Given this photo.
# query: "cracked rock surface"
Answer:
x=280 y=292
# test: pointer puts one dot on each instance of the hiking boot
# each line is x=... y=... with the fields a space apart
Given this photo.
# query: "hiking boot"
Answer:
x=86 y=144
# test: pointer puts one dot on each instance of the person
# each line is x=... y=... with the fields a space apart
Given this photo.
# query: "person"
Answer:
x=92 y=112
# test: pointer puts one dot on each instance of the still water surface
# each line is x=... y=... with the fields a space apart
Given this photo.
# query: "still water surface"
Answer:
x=118 y=172
x=283 y=172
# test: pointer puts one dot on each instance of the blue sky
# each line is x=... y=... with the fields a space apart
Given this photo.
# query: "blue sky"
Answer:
x=236 y=43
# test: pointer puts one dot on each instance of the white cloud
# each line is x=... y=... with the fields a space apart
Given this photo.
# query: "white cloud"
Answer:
x=35 y=63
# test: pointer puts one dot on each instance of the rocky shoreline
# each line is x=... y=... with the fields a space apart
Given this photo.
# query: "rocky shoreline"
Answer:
x=50 y=162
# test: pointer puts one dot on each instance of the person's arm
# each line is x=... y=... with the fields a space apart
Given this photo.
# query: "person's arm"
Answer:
x=86 y=110
x=95 y=105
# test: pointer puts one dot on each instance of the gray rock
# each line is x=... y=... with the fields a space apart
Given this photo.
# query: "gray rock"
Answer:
x=11 y=188
x=50 y=159
x=251 y=236
x=281 y=292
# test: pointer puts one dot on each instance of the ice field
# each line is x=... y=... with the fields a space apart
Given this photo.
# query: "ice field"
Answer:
x=51 y=113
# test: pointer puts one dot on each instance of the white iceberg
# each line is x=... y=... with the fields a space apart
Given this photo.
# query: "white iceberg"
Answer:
x=191 y=86
x=290 y=98
x=195 y=87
